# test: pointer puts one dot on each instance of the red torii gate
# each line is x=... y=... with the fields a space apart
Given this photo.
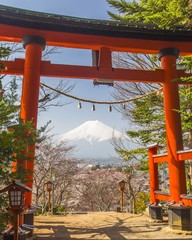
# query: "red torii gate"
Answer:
x=36 y=30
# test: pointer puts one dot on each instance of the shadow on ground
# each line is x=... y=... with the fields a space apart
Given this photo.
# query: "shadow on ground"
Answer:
x=108 y=228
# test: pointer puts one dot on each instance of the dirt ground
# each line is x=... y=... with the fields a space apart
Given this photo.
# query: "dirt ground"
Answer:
x=104 y=225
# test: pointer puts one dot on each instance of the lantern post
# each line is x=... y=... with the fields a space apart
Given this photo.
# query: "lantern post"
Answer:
x=122 y=189
x=49 y=185
x=16 y=191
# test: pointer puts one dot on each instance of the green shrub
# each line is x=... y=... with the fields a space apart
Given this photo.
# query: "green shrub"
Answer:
x=141 y=201
x=60 y=209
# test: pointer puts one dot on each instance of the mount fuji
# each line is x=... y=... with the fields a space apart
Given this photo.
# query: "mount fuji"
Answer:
x=92 y=131
x=93 y=141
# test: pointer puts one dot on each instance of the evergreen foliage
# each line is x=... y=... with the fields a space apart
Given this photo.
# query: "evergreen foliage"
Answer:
x=163 y=13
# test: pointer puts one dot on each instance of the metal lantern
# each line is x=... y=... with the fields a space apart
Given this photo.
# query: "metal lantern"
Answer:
x=122 y=185
x=16 y=192
x=49 y=186
x=16 y=197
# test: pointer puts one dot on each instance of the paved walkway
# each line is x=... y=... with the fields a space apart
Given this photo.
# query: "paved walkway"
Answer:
x=102 y=225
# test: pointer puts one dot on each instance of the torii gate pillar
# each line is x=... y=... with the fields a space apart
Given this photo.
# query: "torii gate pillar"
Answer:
x=177 y=178
x=30 y=94
x=179 y=216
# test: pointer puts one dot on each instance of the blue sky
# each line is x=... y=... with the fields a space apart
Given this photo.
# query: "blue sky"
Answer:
x=77 y=8
x=65 y=118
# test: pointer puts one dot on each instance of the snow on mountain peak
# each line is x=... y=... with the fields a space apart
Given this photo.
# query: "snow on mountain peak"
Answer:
x=91 y=131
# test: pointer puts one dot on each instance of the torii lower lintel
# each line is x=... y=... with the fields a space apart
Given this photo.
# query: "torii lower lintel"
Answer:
x=48 y=69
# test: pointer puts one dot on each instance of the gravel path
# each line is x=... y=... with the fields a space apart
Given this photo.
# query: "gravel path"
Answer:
x=103 y=225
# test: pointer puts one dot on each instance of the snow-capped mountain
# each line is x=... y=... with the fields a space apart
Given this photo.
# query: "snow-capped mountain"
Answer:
x=92 y=141
x=91 y=131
